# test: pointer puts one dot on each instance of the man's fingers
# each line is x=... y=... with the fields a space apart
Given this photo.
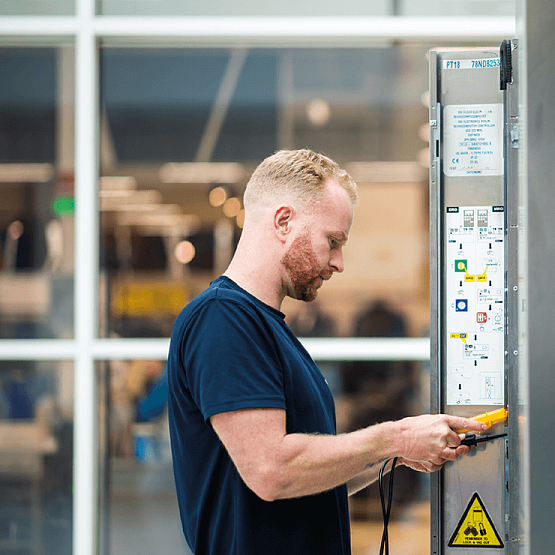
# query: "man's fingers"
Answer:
x=461 y=424
x=454 y=441
x=449 y=454
x=462 y=450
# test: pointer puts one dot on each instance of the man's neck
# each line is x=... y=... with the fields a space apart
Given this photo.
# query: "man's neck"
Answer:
x=256 y=281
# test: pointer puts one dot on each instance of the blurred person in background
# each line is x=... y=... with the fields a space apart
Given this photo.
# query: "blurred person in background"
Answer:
x=257 y=462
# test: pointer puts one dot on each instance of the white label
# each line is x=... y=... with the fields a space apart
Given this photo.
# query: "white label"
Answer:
x=475 y=319
x=473 y=140
x=471 y=64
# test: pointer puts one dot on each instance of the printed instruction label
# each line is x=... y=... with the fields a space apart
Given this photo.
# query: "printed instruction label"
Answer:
x=475 y=304
x=473 y=139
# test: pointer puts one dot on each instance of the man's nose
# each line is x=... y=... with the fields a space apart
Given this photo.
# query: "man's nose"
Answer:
x=336 y=261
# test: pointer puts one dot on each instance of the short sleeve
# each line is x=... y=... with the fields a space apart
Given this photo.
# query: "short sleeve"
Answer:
x=230 y=359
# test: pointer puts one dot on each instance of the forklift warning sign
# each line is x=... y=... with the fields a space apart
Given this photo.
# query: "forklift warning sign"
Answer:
x=475 y=528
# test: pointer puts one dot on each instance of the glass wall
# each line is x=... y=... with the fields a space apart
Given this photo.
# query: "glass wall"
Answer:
x=308 y=8
x=181 y=132
x=183 y=129
x=460 y=7
x=36 y=193
x=139 y=512
x=37 y=7
x=216 y=8
x=36 y=457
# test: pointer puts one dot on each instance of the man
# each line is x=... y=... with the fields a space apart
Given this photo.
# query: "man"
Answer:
x=258 y=467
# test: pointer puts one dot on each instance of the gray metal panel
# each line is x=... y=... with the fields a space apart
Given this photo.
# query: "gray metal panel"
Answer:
x=435 y=280
x=484 y=470
x=540 y=139
x=515 y=395
x=463 y=87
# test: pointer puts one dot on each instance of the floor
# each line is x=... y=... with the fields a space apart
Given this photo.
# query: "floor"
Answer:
x=146 y=526
x=144 y=518
x=143 y=513
x=149 y=526
x=409 y=534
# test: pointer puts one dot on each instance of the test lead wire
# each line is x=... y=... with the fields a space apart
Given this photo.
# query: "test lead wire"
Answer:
x=386 y=508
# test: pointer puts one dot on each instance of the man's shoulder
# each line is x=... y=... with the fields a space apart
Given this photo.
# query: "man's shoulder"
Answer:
x=219 y=293
x=219 y=297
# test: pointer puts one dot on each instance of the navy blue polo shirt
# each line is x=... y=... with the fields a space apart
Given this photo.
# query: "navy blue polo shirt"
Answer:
x=230 y=351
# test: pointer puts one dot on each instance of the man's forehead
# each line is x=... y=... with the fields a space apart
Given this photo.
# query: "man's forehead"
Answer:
x=334 y=190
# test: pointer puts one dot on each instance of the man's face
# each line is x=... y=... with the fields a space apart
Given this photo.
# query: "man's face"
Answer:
x=316 y=252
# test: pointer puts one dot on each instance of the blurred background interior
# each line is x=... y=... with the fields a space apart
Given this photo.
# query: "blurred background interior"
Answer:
x=180 y=131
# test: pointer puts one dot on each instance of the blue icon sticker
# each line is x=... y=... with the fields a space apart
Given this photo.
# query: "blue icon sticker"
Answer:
x=461 y=305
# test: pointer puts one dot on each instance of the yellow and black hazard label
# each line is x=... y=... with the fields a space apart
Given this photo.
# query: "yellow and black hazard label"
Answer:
x=475 y=528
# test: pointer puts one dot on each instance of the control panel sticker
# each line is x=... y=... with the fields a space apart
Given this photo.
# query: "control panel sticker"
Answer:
x=475 y=305
x=475 y=527
x=473 y=140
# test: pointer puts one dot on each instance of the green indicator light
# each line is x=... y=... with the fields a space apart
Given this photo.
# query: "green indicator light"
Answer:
x=64 y=205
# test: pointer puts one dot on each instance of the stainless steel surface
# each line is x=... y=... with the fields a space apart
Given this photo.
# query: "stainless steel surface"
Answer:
x=515 y=400
x=459 y=87
x=540 y=227
x=435 y=279
x=484 y=470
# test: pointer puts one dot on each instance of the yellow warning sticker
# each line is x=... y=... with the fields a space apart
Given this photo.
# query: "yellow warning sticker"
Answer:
x=475 y=528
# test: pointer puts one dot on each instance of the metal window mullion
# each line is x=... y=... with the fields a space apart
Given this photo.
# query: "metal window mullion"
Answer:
x=328 y=348
x=274 y=31
x=85 y=469
x=41 y=27
x=315 y=31
x=365 y=348
x=37 y=349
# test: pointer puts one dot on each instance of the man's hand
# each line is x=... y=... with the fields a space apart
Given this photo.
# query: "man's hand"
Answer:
x=429 y=441
x=420 y=467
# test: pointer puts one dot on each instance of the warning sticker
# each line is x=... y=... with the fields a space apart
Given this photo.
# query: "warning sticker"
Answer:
x=475 y=528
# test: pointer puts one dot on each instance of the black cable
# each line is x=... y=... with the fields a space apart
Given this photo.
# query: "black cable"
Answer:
x=386 y=509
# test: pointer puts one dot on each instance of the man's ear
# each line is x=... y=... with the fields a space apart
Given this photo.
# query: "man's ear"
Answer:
x=282 y=220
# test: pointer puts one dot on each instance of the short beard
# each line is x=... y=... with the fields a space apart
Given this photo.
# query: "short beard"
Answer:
x=302 y=266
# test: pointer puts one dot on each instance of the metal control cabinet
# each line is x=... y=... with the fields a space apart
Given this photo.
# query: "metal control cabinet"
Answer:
x=474 y=213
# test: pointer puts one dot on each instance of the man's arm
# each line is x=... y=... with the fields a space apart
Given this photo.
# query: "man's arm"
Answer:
x=277 y=465
x=371 y=474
